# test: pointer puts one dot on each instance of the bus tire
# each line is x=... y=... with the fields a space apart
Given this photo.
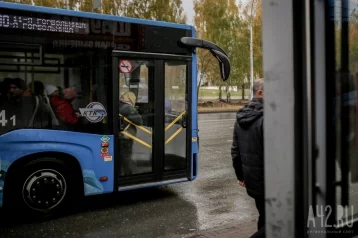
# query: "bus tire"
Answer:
x=42 y=188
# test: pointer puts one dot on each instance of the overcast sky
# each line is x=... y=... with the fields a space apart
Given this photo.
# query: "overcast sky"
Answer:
x=189 y=10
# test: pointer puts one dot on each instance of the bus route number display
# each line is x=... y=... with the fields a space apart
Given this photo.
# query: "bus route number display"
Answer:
x=41 y=24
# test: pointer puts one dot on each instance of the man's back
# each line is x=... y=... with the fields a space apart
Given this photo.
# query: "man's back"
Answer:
x=248 y=147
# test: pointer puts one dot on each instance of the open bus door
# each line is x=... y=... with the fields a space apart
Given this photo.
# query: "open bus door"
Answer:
x=154 y=137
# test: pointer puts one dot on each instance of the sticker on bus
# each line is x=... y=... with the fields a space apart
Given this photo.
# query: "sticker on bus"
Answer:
x=105 y=138
x=125 y=66
x=94 y=112
x=107 y=158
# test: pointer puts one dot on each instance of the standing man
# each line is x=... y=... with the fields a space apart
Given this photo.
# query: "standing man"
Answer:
x=126 y=108
x=247 y=151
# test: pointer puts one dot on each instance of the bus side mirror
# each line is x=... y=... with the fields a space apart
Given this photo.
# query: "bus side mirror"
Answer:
x=216 y=51
x=224 y=64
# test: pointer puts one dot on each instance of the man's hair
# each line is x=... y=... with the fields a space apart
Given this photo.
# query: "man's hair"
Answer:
x=258 y=85
x=18 y=82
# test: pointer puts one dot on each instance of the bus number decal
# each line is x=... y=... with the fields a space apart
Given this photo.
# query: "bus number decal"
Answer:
x=3 y=120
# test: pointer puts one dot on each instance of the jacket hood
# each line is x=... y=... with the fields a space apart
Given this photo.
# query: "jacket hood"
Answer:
x=250 y=113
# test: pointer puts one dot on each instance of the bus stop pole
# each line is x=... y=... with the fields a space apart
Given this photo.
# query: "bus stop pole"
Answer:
x=356 y=134
x=251 y=54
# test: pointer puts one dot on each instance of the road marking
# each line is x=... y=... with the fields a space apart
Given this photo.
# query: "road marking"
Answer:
x=229 y=140
x=217 y=120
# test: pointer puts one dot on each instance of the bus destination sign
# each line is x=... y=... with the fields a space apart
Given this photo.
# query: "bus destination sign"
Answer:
x=41 y=24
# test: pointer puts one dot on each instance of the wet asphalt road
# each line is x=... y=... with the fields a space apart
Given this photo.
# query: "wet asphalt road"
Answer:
x=212 y=200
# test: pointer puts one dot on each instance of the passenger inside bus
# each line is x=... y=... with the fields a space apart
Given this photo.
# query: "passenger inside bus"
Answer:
x=17 y=89
x=127 y=110
x=62 y=106
x=26 y=105
x=38 y=89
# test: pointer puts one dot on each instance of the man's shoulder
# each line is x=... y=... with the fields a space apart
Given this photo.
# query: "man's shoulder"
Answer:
x=127 y=109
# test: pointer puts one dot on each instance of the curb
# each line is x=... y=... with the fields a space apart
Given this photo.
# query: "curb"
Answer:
x=223 y=111
x=218 y=110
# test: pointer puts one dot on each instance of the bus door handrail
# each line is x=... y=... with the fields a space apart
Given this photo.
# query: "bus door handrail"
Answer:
x=136 y=139
x=178 y=131
x=124 y=132
x=139 y=127
x=174 y=135
x=176 y=119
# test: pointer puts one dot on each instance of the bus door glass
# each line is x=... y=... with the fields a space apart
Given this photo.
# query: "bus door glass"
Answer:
x=176 y=116
x=136 y=112
x=345 y=111
x=337 y=92
x=153 y=120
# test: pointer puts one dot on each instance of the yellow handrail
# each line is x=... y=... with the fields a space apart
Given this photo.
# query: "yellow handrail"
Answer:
x=149 y=132
x=174 y=135
x=173 y=122
x=140 y=127
x=136 y=139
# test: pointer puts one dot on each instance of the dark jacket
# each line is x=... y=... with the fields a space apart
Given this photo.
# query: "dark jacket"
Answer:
x=248 y=147
x=129 y=112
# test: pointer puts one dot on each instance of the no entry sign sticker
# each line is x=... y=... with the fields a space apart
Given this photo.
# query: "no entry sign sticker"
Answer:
x=125 y=66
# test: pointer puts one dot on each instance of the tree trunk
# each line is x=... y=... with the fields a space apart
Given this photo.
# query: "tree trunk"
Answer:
x=197 y=93
x=243 y=91
x=220 y=94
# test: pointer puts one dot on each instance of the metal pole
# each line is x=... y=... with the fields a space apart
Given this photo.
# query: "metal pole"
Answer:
x=251 y=56
x=68 y=4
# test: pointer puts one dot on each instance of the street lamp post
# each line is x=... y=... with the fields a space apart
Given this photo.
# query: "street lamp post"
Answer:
x=251 y=55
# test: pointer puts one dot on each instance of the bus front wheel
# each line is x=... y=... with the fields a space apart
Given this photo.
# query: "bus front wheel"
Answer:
x=41 y=188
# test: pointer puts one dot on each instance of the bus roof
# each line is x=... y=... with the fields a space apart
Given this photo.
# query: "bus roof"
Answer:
x=31 y=8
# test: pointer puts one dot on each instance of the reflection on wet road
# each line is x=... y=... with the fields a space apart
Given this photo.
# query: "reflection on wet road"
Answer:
x=213 y=199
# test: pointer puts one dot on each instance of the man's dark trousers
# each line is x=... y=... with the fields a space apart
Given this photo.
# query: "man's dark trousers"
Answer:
x=260 y=205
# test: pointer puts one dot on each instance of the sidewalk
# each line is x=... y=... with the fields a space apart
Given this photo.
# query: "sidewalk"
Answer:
x=242 y=230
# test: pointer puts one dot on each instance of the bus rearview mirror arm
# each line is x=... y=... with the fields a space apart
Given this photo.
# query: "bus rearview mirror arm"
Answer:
x=216 y=51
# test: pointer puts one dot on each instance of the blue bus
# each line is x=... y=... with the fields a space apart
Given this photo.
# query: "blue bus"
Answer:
x=93 y=104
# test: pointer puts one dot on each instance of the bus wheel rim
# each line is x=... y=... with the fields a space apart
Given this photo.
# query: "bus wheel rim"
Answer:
x=44 y=189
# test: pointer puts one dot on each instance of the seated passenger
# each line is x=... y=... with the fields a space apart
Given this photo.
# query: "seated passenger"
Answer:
x=42 y=117
x=39 y=88
x=19 y=105
x=62 y=106
x=28 y=90
x=17 y=89
x=60 y=91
